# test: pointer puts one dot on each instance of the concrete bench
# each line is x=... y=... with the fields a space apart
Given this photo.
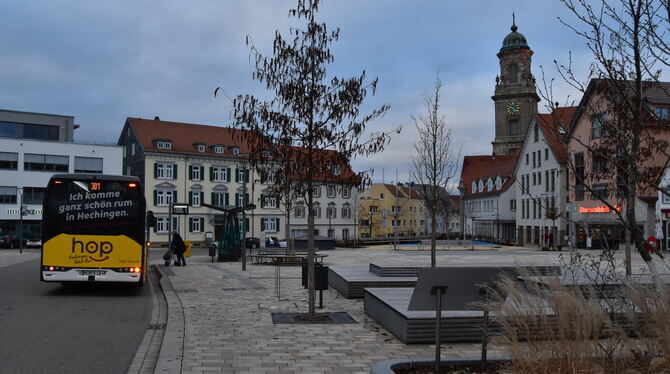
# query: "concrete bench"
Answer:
x=282 y=258
x=446 y=244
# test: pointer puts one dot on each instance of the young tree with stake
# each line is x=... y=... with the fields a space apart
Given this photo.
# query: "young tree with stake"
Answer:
x=313 y=126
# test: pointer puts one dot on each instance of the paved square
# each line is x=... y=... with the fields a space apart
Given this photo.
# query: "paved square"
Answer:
x=229 y=327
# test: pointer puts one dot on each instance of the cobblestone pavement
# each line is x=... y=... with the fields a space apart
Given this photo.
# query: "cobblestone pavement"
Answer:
x=12 y=256
x=229 y=328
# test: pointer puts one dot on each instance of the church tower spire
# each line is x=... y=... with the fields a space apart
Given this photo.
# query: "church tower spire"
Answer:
x=515 y=94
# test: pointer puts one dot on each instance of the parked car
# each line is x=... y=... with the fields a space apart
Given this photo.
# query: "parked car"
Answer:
x=10 y=241
x=252 y=243
x=34 y=243
x=271 y=242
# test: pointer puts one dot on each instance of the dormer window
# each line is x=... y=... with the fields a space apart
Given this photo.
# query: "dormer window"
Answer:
x=236 y=150
x=163 y=144
x=489 y=184
x=335 y=169
x=480 y=186
x=499 y=183
x=200 y=147
x=218 y=149
x=474 y=187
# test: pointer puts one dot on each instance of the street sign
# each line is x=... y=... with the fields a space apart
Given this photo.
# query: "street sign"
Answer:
x=180 y=209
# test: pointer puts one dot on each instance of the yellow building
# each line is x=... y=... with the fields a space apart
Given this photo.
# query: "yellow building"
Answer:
x=387 y=209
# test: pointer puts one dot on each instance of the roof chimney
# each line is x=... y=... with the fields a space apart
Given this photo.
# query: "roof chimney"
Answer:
x=157 y=118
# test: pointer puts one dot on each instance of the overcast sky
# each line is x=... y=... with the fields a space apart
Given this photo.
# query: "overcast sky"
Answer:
x=103 y=61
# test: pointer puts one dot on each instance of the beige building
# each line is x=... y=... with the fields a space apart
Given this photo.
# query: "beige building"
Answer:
x=195 y=164
x=386 y=209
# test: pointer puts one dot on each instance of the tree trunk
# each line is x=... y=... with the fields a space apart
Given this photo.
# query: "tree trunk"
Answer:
x=311 y=289
x=433 y=238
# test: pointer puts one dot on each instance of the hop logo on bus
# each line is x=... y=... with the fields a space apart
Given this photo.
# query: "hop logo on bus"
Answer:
x=98 y=251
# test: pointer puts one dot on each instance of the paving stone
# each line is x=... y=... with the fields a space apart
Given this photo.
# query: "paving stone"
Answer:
x=228 y=316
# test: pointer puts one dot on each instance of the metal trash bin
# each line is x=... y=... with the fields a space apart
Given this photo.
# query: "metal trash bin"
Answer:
x=320 y=275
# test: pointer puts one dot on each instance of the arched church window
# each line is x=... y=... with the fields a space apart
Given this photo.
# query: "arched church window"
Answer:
x=513 y=127
x=513 y=72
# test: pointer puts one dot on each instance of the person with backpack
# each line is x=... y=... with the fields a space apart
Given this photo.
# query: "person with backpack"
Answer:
x=178 y=248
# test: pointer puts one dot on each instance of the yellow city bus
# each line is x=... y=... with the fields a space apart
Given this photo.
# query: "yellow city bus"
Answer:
x=93 y=229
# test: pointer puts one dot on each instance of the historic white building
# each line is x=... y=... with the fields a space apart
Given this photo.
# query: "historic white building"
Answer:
x=489 y=198
x=541 y=183
x=195 y=164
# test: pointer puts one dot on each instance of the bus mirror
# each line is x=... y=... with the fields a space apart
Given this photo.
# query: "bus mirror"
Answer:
x=151 y=220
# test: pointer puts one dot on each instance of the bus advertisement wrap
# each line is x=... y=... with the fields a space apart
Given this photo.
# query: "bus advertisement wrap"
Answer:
x=92 y=251
x=93 y=222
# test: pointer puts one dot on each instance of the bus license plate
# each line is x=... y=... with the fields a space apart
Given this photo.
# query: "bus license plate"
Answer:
x=92 y=272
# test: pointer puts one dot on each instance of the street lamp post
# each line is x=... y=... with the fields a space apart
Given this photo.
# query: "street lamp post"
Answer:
x=461 y=191
x=21 y=214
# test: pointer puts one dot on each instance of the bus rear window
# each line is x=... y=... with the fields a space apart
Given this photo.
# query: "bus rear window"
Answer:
x=89 y=206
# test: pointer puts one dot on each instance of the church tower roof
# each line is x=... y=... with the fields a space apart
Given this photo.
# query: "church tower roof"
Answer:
x=514 y=40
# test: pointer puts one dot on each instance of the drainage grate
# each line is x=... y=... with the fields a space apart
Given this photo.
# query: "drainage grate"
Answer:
x=233 y=289
x=320 y=318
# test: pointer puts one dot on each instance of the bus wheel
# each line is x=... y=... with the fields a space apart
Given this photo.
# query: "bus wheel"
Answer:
x=167 y=263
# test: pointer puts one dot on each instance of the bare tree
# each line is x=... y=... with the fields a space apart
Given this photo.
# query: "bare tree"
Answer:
x=435 y=163
x=313 y=126
x=627 y=39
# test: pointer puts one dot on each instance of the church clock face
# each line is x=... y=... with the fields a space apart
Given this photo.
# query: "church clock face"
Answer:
x=513 y=107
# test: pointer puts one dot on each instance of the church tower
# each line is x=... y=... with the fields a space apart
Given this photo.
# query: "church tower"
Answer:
x=515 y=96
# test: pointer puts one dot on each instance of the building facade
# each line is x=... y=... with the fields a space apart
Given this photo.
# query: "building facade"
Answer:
x=387 y=210
x=489 y=198
x=33 y=147
x=334 y=212
x=195 y=164
x=594 y=224
x=541 y=189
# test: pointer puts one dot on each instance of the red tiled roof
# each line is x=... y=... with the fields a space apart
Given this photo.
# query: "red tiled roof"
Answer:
x=184 y=135
x=483 y=167
x=553 y=125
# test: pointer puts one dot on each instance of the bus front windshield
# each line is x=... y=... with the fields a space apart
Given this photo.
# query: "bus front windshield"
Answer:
x=93 y=207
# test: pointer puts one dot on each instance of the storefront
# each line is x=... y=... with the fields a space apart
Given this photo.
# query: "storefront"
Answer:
x=599 y=227
x=32 y=221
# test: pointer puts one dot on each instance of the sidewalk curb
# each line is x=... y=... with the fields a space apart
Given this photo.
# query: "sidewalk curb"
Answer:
x=172 y=348
x=146 y=356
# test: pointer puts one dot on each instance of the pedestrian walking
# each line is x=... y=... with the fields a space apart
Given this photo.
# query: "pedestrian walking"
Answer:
x=178 y=247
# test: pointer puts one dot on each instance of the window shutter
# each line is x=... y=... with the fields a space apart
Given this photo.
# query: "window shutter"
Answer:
x=262 y=201
x=202 y=172
x=214 y=202
x=155 y=197
x=246 y=224
x=246 y=199
x=228 y=178
x=190 y=197
x=237 y=198
x=262 y=224
x=202 y=197
x=156 y=228
x=211 y=174
x=246 y=175
x=190 y=172
x=190 y=224
x=174 y=171
x=155 y=169
x=277 y=224
x=237 y=175
x=227 y=201
x=202 y=224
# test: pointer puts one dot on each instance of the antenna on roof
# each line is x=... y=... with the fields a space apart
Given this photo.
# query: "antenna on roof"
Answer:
x=157 y=118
